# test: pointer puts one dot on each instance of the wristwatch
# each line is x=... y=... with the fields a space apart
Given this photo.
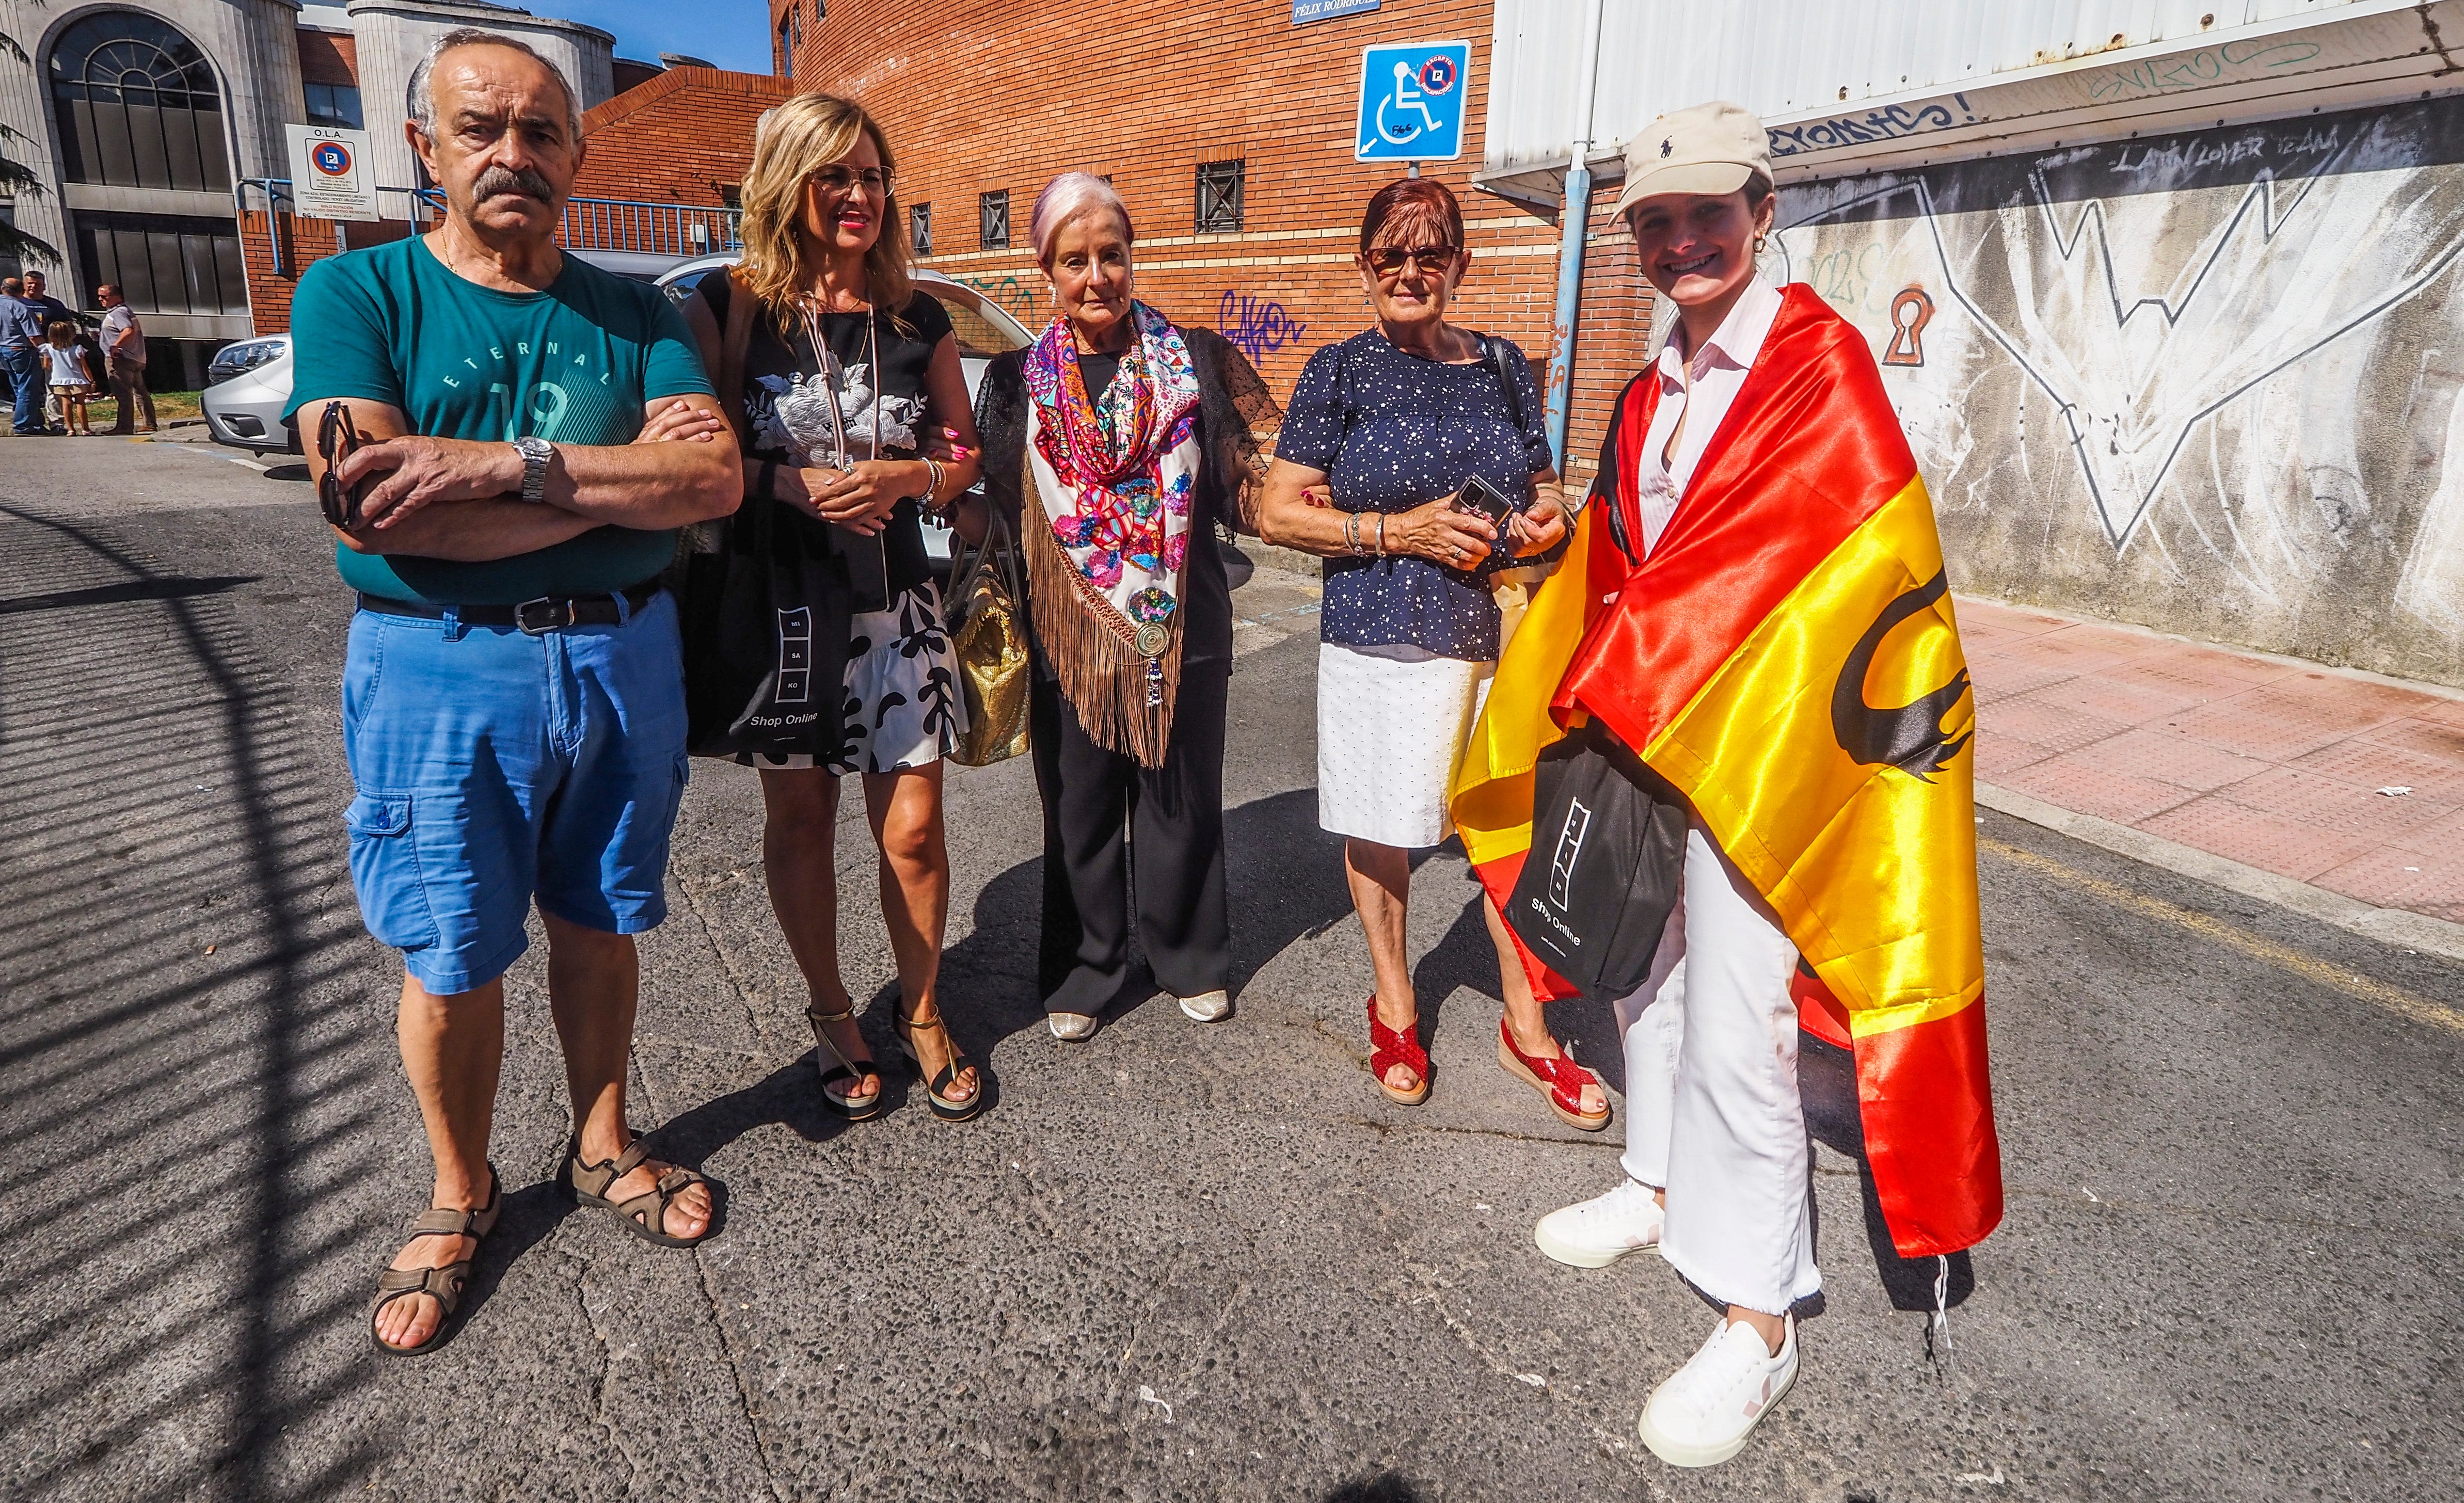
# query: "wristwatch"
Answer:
x=535 y=454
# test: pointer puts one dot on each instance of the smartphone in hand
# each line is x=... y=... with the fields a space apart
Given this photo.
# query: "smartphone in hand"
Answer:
x=1479 y=496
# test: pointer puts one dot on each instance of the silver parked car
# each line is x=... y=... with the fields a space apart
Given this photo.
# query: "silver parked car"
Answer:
x=247 y=386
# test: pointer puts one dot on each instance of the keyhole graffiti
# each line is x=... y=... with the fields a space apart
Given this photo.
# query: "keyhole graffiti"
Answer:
x=1910 y=312
x=1259 y=327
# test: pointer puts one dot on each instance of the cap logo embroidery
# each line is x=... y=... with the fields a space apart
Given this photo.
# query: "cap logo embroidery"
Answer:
x=1667 y=144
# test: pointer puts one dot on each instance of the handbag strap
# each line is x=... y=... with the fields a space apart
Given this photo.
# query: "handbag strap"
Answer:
x=1494 y=350
x=735 y=340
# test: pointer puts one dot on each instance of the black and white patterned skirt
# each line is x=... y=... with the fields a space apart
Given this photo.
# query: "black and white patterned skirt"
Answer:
x=903 y=706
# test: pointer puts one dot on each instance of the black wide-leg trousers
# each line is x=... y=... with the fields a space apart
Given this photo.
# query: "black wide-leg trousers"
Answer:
x=1173 y=818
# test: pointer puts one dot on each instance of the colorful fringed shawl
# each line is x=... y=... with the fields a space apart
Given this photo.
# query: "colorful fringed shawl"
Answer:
x=1114 y=477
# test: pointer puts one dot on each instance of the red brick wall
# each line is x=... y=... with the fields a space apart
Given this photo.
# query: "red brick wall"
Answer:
x=673 y=139
x=327 y=58
x=303 y=241
x=978 y=95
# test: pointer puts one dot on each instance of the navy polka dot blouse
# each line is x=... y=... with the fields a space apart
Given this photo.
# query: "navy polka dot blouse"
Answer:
x=1394 y=431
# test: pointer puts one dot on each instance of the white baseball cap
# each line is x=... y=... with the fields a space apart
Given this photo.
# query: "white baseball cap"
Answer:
x=1707 y=148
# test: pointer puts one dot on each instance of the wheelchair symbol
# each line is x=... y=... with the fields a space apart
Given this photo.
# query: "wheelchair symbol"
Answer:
x=1408 y=100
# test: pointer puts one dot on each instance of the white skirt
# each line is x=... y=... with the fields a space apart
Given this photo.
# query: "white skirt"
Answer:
x=1391 y=724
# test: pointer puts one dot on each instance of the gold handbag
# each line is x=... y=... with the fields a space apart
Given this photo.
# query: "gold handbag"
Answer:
x=988 y=637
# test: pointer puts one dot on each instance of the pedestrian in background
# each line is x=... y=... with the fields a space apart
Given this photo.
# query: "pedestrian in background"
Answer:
x=1384 y=432
x=1113 y=445
x=24 y=331
x=54 y=311
x=842 y=373
x=69 y=384
x=512 y=702
x=124 y=353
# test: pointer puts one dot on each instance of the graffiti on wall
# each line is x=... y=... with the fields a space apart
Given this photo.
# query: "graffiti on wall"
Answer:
x=2207 y=381
x=1015 y=296
x=1259 y=326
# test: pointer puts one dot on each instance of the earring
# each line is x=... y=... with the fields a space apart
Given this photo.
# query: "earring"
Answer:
x=1758 y=245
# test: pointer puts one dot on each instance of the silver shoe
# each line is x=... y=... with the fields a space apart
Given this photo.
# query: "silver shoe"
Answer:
x=1211 y=1007
x=1072 y=1028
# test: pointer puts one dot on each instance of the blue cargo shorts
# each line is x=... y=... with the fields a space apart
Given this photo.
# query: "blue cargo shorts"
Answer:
x=495 y=769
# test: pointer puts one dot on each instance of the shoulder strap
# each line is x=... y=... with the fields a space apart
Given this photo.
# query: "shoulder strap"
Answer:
x=1495 y=349
x=733 y=342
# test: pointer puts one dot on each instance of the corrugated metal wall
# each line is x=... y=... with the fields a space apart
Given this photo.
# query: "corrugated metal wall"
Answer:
x=1779 y=57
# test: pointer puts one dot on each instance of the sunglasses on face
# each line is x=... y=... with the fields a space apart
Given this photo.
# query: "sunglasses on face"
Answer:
x=1432 y=260
x=842 y=181
x=337 y=436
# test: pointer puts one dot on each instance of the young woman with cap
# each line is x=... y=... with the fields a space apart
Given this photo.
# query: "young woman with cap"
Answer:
x=1761 y=534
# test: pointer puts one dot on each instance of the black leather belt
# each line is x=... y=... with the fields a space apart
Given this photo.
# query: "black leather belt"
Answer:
x=535 y=617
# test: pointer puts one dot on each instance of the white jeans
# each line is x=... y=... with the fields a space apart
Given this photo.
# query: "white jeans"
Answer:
x=1712 y=1114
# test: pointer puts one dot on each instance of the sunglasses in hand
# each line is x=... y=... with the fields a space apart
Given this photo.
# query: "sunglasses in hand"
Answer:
x=338 y=438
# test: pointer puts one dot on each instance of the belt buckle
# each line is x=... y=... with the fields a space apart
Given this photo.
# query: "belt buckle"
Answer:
x=557 y=614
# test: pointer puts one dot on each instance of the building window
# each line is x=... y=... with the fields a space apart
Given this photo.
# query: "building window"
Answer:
x=994 y=210
x=1219 y=196
x=138 y=106
x=335 y=104
x=163 y=264
x=920 y=227
x=791 y=35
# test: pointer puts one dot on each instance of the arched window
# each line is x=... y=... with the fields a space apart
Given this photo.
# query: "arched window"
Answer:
x=138 y=106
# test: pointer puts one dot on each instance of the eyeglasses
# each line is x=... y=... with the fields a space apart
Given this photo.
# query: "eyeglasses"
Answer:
x=337 y=438
x=842 y=181
x=1432 y=260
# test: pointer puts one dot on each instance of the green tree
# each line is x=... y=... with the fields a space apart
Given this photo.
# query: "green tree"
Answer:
x=18 y=180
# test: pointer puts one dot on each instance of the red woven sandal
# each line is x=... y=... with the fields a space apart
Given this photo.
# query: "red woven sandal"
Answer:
x=1560 y=1080
x=1388 y=1048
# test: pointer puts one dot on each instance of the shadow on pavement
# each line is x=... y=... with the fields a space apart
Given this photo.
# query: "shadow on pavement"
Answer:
x=1826 y=1079
x=182 y=1070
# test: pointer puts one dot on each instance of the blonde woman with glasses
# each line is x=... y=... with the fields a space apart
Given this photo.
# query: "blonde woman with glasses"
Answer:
x=845 y=377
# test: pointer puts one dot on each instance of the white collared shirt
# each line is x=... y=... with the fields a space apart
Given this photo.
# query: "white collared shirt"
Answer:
x=1714 y=375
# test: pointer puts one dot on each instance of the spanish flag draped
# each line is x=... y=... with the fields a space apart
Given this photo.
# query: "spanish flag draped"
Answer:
x=1787 y=657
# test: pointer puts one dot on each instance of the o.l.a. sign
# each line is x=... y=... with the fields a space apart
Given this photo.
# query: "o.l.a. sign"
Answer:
x=329 y=173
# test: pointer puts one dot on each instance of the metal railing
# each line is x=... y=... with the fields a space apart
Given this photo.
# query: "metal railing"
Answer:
x=639 y=225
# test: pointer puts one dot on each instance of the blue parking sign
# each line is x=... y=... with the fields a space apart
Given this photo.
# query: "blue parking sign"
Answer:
x=1413 y=99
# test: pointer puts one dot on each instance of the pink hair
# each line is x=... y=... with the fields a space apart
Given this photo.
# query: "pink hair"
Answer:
x=1066 y=197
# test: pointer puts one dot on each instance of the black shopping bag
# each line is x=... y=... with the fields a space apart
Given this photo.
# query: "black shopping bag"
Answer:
x=1608 y=853
x=767 y=616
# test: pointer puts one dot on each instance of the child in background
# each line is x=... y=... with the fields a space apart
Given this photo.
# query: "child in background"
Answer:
x=69 y=379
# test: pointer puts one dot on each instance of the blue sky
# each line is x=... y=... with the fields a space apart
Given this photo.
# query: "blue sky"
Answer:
x=732 y=34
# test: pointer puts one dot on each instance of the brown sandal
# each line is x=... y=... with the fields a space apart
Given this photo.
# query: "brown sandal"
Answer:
x=444 y=1285
x=645 y=1215
x=839 y=1079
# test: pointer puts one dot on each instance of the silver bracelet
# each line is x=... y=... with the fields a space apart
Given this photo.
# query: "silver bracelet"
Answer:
x=933 y=489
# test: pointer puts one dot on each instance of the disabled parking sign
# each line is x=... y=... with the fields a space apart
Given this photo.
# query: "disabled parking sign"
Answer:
x=1413 y=100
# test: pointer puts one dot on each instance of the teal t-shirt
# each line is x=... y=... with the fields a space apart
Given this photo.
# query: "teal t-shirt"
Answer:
x=573 y=364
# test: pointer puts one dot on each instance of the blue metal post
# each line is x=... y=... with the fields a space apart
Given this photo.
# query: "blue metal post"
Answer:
x=1577 y=222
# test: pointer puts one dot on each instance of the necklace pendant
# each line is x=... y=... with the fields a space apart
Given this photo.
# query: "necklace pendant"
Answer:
x=1155 y=683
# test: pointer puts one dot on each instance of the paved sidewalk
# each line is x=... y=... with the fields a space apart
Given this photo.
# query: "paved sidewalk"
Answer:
x=2346 y=782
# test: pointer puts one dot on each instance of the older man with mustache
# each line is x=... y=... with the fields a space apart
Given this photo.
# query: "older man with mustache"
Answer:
x=513 y=706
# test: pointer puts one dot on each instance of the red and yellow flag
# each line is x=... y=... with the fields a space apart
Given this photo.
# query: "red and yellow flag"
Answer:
x=1788 y=658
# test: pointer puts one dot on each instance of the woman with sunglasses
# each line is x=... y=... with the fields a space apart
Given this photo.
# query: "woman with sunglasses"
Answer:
x=848 y=373
x=1384 y=434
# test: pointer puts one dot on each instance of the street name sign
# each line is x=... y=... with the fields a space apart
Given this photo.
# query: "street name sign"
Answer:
x=1304 y=12
x=1413 y=101
x=329 y=173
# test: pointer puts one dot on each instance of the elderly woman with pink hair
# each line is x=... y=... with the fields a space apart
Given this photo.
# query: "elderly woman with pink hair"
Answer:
x=1116 y=442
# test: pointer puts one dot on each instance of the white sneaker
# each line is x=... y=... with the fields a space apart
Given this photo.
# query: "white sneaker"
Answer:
x=1602 y=1230
x=1212 y=1008
x=1702 y=1414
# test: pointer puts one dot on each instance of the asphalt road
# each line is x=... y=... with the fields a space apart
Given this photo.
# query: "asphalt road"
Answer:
x=1179 y=1262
